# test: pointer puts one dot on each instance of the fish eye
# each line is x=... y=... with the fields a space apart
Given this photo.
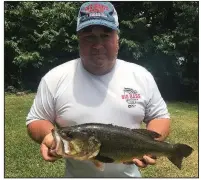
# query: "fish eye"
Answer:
x=69 y=135
x=66 y=134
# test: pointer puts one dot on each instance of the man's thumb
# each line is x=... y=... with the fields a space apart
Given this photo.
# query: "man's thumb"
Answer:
x=99 y=165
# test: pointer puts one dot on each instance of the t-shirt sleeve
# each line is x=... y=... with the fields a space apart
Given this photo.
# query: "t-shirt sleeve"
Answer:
x=43 y=105
x=156 y=107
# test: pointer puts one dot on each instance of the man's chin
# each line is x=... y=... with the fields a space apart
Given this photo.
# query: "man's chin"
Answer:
x=99 y=62
x=98 y=65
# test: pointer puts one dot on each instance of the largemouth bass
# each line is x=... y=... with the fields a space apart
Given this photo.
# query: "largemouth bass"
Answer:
x=114 y=144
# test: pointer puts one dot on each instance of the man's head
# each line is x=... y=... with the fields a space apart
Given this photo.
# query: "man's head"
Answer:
x=97 y=29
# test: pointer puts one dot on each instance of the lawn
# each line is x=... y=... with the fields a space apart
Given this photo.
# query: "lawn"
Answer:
x=23 y=160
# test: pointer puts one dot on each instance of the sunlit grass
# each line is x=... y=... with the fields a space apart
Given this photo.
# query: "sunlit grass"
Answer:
x=22 y=156
x=184 y=129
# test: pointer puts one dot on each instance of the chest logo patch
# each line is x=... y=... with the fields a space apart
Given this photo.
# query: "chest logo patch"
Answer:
x=130 y=96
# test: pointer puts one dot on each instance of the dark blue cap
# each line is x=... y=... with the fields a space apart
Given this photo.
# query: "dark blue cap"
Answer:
x=97 y=13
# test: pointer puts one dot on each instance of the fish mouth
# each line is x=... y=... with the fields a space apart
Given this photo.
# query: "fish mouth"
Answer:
x=62 y=145
x=74 y=148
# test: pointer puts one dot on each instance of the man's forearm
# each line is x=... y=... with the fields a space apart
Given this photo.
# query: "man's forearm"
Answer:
x=37 y=130
x=161 y=126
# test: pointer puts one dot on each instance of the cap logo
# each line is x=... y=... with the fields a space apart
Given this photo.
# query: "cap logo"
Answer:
x=96 y=8
x=97 y=13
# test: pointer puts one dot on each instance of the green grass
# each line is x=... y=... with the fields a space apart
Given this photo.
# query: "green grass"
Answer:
x=22 y=155
x=184 y=129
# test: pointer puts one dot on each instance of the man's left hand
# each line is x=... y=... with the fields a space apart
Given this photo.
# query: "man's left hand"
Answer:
x=144 y=162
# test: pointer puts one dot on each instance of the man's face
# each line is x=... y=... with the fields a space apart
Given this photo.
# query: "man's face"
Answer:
x=98 y=48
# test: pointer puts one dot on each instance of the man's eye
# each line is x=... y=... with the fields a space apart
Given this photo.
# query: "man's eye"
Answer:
x=105 y=36
x=89 y=38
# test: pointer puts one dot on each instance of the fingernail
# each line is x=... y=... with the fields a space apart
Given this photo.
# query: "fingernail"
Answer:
x=145 y=158
x=135 y=162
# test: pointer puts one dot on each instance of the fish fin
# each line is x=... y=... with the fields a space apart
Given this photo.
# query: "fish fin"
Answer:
x=181 y=151
x=128 y=162
x=99 y=165
x=104 y=159
x=151 y=134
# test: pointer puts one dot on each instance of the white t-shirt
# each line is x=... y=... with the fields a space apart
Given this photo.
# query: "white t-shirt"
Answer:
x=126 y=96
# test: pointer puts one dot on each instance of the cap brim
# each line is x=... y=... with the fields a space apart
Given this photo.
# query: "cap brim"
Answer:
x=97 y=22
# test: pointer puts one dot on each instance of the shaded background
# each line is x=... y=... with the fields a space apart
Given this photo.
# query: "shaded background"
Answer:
x=161 y=36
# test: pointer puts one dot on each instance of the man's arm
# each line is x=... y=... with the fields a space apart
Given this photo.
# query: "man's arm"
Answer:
x=156 y=117
x=161 y=126
x=40 y=120
x=37 y=130
x=40 y=131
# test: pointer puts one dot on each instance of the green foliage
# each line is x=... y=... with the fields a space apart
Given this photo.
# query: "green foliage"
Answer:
x=37 y=35
x=28 y=57
x=158 y=35
x=162 y=36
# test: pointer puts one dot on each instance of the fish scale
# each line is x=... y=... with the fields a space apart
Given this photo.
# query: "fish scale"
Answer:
x=133 y=145
x=119 y=144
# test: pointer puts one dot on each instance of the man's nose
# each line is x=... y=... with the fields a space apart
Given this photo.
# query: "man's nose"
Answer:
x=98 y=43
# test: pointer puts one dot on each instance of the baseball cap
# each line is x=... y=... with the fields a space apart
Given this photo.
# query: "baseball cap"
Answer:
x=97 y=13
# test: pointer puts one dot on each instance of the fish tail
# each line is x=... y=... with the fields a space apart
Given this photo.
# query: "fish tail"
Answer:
x=180 y=151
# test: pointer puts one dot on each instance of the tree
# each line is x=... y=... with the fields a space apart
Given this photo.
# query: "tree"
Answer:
x=158 y=35
x=39 y=35
x=162 y=36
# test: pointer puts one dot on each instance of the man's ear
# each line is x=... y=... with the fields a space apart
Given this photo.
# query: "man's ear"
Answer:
x=117 y=41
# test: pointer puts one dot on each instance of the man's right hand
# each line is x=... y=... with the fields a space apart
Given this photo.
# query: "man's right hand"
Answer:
x=99 y=165
x=47 y=148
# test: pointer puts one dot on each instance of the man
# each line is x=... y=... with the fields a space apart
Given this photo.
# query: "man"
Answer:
x=100 y=88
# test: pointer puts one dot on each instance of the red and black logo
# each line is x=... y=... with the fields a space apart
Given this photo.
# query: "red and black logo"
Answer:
x=131 y=96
